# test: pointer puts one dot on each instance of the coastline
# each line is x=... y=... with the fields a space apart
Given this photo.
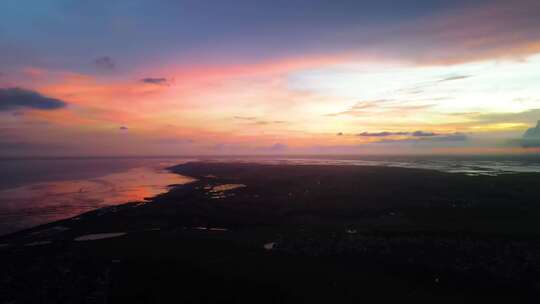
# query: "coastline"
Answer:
x=35 y=203
x=204 y=174
x=309 y=214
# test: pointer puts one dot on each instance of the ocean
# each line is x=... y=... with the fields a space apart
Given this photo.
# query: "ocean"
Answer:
x=37 y=191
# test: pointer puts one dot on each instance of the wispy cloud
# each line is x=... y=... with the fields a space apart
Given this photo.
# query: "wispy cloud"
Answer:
x=383 y=134
x=436 y=139
x=253 y=120
x=248 y=118
x=453 y=78
x=156 y=81
x=381 y=106
x=418 y=133
x=515 y=119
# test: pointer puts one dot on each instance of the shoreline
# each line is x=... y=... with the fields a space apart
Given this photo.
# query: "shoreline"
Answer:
x=204 y=178
x=170 y=187
x=40 y=202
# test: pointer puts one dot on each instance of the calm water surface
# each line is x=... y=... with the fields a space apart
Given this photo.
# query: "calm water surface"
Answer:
x=42 y=191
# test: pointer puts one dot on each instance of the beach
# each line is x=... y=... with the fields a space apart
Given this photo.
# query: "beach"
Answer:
x=275 y=233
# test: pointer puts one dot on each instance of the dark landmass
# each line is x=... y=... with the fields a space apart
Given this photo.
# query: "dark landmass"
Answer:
x=292 y=234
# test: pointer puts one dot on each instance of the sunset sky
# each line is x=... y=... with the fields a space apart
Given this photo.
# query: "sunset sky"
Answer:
x=141 y=77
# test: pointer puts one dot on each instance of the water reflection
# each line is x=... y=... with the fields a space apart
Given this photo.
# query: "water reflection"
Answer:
x=39 y=203
x=474 y=167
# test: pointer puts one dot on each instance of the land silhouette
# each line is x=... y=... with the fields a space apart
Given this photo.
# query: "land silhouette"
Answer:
x=270 y=233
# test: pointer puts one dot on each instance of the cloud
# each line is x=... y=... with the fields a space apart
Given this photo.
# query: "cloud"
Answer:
x=360 y=106
x=533 y=132
x=433 y=139
x=531 y=137
x=449 y=137
x=387 y=134
x=441 y=38
x=427 y=30
x=529 y=116
x=250 y=118
x=253 y=120
x=15 y=98
x=156 y=81
x=381 y=106
x=452 y=78
x=105 y=63
x=423 y=134
x=124 y=128
x=382 y=134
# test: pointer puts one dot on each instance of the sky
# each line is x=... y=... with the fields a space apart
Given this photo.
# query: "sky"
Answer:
x=189 y=77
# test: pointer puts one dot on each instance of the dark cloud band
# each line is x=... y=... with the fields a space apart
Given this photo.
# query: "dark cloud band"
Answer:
x=15 y=98
x=387 y=134
x=382 y=134
x=156 y=81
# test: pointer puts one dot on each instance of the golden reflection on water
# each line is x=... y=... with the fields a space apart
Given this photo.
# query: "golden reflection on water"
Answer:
x=40 y=203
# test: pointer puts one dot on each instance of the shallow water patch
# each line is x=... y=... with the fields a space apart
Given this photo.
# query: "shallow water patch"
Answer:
x=99 y=236
x=219 y=229
x=220 y=191
x=226 y=187
x=39 y=243
x=216 y=229
x=270 y=246
x=50 y=231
